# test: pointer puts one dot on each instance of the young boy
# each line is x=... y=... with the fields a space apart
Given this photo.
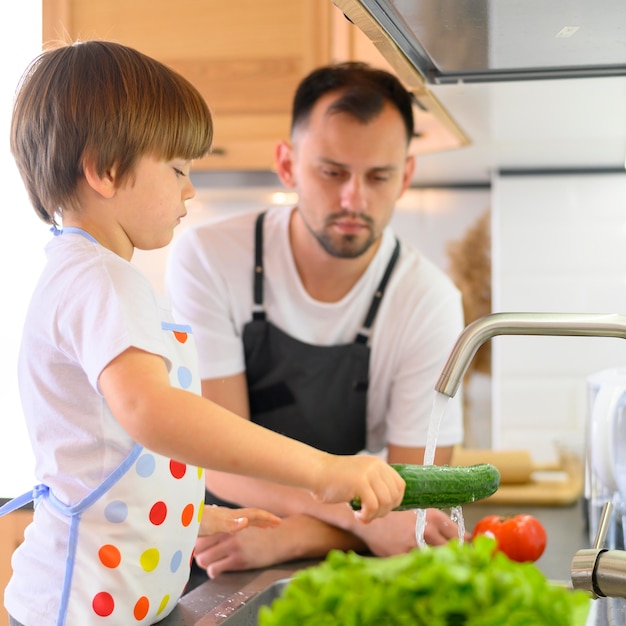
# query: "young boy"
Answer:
x=103 y=137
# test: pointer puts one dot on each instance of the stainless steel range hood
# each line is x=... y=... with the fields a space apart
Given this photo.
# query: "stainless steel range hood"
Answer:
x=450 y=41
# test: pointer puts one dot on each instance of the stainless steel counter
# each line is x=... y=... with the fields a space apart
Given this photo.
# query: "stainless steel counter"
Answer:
x=213 y=601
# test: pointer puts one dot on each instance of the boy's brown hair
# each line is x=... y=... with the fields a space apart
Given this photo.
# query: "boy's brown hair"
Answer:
x=105 y=101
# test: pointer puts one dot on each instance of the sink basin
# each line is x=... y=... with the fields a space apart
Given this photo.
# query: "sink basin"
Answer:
x=240 y=607
x=246 y=615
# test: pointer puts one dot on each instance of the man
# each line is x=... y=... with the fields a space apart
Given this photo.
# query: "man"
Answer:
x=315 y=321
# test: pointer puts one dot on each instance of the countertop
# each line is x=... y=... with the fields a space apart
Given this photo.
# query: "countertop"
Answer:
x=212 y=601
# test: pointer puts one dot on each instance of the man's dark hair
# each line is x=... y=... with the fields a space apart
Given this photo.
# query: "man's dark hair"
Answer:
x=362 y=92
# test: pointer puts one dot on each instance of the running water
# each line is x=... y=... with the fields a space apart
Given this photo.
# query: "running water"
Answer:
x=440 y=404
x=420 y=527
x=456 y=515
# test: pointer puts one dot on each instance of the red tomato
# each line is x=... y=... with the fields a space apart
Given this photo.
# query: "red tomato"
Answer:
x=520 y=537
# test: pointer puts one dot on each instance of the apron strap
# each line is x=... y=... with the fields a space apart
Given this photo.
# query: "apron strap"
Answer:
x=363 y=335
x=26 y=498
x=258 y=313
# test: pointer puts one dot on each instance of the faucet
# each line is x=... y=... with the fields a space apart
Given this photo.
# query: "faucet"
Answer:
x=484 y=328
x=597 y=570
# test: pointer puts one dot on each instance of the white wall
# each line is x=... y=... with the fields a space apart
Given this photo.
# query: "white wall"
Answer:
x=559 y=246
x=426 y=218
x=21 y=252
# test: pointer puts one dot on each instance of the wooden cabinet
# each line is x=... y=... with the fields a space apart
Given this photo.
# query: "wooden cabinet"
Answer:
x=246 y=57
x=11 y=535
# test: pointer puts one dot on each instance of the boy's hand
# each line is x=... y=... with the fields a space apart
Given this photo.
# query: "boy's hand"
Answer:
x=377 y=485
x=220 y=519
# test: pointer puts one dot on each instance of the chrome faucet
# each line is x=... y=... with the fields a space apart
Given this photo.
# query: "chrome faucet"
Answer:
x=484 y=328
x=597 y=570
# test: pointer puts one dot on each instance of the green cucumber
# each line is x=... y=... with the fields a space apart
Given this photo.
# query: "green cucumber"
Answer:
x=443 y=486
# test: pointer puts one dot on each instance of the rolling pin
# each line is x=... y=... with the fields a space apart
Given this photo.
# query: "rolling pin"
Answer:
x=515 y=466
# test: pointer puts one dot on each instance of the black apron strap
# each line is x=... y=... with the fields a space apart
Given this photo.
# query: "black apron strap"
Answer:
x=363 y=335
x=258 y=312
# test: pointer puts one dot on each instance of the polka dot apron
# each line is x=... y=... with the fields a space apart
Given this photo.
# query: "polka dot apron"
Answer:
x=131 y=539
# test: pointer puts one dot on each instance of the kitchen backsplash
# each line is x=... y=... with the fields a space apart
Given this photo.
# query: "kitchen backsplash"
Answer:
x=559 y=245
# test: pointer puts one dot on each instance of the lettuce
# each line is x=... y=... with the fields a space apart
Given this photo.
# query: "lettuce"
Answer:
x=453 y=585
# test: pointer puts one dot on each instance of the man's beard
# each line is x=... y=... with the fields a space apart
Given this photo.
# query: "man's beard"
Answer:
x=346 y=246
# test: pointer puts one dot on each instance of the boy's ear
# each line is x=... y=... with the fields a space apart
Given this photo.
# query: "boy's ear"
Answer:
x=103 y=184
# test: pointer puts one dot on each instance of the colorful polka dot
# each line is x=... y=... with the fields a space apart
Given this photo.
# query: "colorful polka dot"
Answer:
x=145 y=465
x=177 y=469
x=175 y=562
x=200 y=510
x=116 y=512
x=200 y=473
x=149 y=559
x=103 y=604
x=187 y=515
x=163 y=604
x=158 y=513
x=109 y=556
x=180 y=336
x=184 y=377
x=142 y=606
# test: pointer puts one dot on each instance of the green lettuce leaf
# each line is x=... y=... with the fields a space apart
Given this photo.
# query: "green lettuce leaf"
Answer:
x=467 y=584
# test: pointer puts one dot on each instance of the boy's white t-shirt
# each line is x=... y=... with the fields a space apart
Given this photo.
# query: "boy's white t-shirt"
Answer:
x=209 y=282
x=87 y=308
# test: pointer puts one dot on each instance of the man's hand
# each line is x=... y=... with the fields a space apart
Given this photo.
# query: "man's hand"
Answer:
x=296 y=537
x=395 y=533
x=219 y=519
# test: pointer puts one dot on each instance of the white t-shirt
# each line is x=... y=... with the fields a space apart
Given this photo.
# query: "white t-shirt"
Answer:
x=209 y=282
x=88 y=307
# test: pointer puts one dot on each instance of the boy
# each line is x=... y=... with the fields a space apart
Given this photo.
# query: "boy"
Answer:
x=103 y=137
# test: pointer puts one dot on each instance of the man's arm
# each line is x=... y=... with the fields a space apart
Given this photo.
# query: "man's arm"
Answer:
x=296 y=537
x=393 y=534
x=415 y=456
x=312 y=539
x=231 y=392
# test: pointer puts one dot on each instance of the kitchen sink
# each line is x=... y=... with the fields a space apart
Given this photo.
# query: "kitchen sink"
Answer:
x=241 y=608
x=247 y=614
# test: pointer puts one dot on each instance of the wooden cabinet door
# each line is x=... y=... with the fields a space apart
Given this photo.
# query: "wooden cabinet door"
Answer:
x=11 y=535
x=245 y=56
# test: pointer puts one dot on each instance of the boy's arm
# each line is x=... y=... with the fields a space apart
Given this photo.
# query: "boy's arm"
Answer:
x=187 y=427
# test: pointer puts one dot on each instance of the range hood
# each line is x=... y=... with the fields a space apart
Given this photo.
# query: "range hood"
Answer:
x=523 y=85
x=451 y=41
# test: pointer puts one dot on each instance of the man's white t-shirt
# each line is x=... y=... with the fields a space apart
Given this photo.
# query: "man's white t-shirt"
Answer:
x=210 y=284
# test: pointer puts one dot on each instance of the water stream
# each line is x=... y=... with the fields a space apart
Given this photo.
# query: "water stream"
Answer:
x=438 y=410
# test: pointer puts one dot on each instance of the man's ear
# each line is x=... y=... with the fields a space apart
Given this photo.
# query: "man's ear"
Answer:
x=409 y=169
x=283 y=157
x=102 y=184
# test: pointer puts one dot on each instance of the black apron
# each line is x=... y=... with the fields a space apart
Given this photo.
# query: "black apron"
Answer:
x=315 y=394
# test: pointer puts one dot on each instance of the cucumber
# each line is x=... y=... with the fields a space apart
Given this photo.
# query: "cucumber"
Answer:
x=443 y=486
